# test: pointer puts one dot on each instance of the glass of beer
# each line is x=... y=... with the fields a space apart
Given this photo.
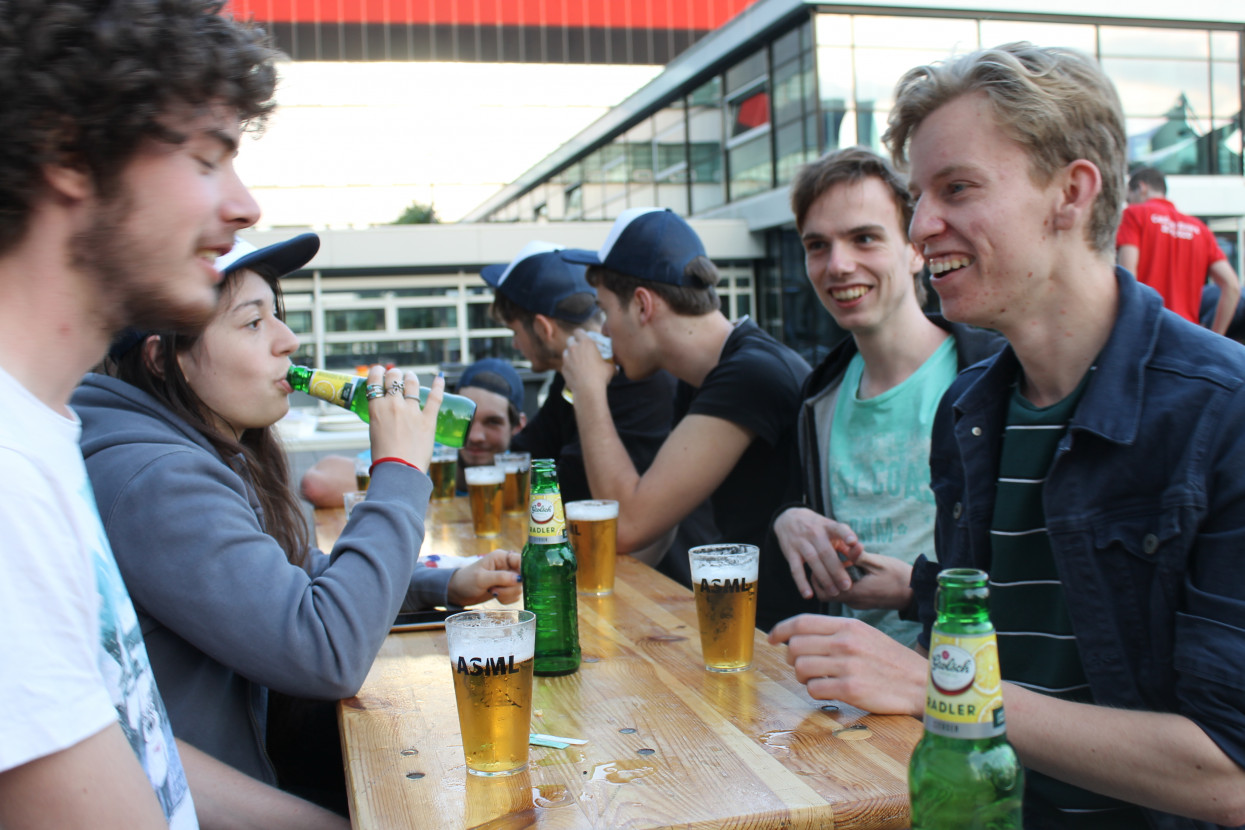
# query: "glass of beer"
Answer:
x=363 y=470
x=518 y=467
x=484 y=486
x=593 y=528
x=349 y=500
x=491 y=653
x=444 y=471
x=724 y=579
x=605 y=347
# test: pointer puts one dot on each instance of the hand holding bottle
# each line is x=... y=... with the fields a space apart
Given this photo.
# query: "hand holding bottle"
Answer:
x=397 y=425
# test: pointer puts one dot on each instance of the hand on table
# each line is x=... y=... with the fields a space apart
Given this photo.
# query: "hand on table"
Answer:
x=398 y=427
x=840 y=658
x=582 y=364
x=809 y=538
x=495 y=574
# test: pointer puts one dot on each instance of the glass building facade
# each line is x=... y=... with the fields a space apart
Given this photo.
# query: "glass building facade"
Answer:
x=733 y=133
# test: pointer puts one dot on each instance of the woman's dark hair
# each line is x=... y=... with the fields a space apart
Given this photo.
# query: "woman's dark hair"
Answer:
x=258 y=453
x=84 y=82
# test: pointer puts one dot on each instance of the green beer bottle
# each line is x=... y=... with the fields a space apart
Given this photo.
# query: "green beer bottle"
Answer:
x=548 y=571
x=964 y=775
x=350 y=392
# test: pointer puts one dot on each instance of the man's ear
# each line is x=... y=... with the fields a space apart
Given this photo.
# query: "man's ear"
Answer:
x=519 y=426
x=69 y=177
x=645 y=302
x=544 y=328
x=1080 y=182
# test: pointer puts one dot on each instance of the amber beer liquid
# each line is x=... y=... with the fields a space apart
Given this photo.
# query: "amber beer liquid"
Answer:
x=491 y=657
x=724 y=580
x=518 y=467
x=593 y=529
x=444 y=472
x=484 y=487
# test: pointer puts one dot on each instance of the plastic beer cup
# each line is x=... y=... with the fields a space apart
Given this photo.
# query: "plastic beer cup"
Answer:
x=724 y=579
x=491 y=655
x=593 y=529
x=484 y=486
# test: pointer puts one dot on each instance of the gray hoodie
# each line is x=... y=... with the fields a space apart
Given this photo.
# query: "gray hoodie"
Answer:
x=224 y=614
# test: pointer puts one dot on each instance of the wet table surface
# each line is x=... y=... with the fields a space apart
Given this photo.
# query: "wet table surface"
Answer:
x=668 y=743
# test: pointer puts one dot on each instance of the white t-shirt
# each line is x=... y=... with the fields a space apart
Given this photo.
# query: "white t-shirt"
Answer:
x=72 y=659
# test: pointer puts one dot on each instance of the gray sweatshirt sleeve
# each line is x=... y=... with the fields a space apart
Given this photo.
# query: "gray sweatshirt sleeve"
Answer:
x=194 y=556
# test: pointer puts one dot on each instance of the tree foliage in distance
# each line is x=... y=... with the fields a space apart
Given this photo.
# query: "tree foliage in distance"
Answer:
x=417 y=213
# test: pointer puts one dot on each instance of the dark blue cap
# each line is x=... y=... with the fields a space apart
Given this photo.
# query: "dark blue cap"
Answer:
x=645 y=243
x=538 y=279
x=493 y=374
x=270 y=262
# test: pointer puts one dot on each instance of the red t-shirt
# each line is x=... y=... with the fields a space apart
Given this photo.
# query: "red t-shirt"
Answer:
x=1174 y=252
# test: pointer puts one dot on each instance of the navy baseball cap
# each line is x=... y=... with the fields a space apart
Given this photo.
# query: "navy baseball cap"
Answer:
x=271 y=262
x=493 y=374
x=645 y=243
x=538 y=279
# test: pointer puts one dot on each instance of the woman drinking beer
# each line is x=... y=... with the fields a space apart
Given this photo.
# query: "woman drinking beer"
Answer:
x=193 y=488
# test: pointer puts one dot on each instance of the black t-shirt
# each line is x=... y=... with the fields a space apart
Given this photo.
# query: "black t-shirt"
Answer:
x=756 y=384
x=643 y=411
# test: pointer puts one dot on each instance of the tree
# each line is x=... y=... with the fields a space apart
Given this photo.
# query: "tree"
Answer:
x=417 y=213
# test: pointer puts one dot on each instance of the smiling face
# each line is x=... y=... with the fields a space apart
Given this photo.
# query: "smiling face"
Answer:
x=490 y=429
x=985 y=227
x=238 y=367
x=858 y=258
x=154 y=241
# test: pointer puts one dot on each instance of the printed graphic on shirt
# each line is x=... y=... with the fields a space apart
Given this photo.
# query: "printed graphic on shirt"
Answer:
x=127 y=671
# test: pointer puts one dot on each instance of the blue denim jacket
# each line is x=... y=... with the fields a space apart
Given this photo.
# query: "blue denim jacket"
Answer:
x=1145 y=507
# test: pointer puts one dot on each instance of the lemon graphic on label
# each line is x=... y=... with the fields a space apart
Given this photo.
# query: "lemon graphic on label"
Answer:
x=987 y=658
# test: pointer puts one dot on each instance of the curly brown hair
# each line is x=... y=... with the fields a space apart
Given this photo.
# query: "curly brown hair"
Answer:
x=83 y=82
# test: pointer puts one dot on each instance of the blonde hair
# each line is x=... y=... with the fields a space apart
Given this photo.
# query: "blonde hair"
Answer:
x=1056 y=103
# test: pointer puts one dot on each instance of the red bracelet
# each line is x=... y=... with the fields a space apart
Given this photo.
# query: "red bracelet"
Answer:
x=394 y=459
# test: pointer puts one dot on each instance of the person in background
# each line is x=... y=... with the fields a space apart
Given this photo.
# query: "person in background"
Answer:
x=497 y=390
x=868 y=408
x=118 y=190
x=734 y=441
x=1092 y=468
x=542 y=298
x=1173 y=253
x=192 y=485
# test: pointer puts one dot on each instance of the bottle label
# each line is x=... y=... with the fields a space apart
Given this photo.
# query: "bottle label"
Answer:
x=333 y=387
x=964 y=696
x=548 y=522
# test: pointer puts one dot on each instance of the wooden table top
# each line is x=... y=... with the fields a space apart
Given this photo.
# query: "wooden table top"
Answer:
x=668 y=743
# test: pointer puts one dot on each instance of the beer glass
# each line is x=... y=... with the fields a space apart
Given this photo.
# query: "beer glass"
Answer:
x=484 y=486
x=444 y=472
x=518 y=467
x=593 y=528
x=363 y=470
x=724 y=579
x=349 y=500
x=605 y=347
x=491 y=655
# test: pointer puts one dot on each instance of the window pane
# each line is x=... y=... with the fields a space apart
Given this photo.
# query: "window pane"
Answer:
x=346 y=356
x=1148 y=42
x=1161 y=87
x=746 y=71
x=1225 y=46
x=705 y=151
x=998 y=32
x=790 y=150
x=833 y=29
x=788 y=92
x=478 y=316
x=751 y=168
x=878 y=70
x=1225 y=85
x=298 y=321
x=493 y=347
x=359 y=319
x=750 y=111
x=915 y=33
x=432 y=317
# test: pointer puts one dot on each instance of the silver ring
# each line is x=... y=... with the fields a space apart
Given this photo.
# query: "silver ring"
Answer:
x=397 y=387
x=412 y=398
x=375 y=390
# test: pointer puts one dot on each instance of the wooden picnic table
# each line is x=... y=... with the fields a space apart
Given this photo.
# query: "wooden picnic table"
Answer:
x=669 y=744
